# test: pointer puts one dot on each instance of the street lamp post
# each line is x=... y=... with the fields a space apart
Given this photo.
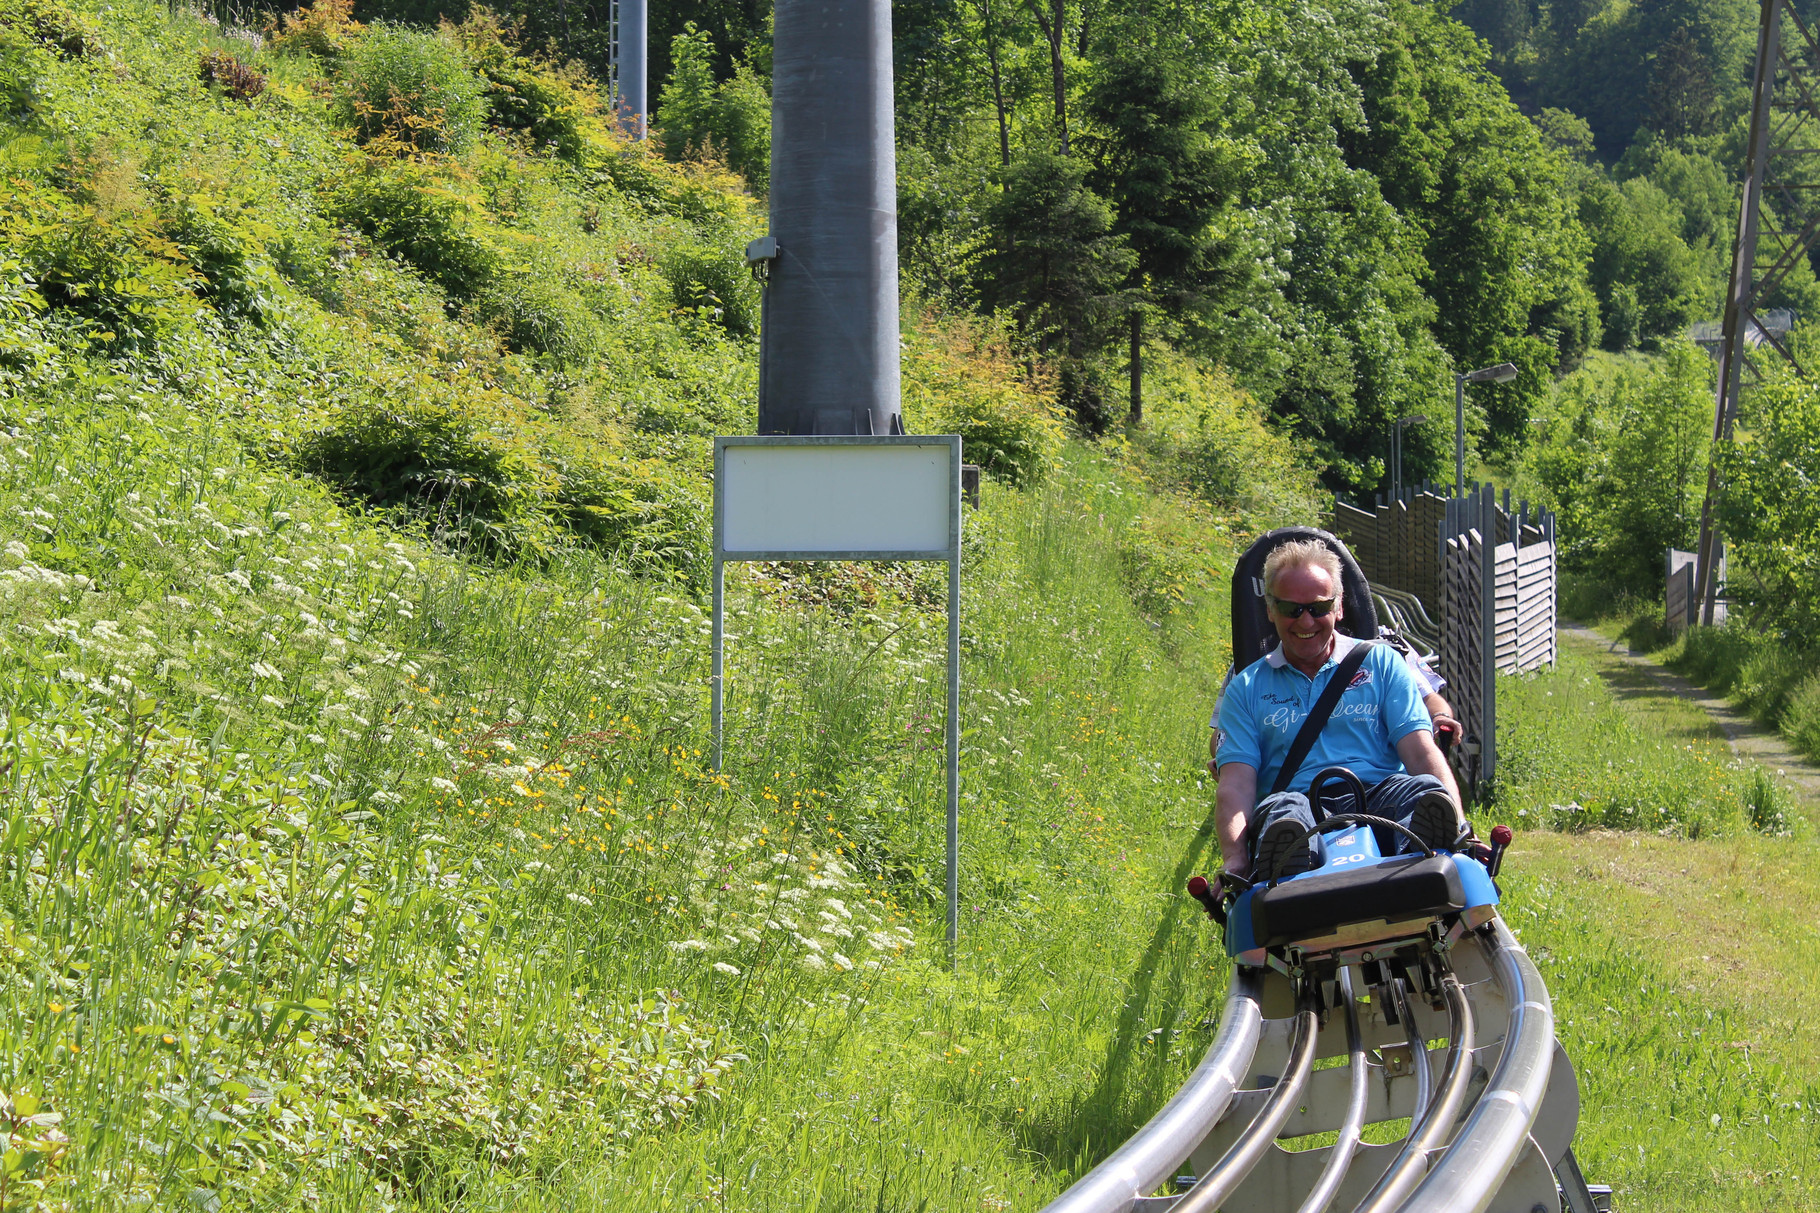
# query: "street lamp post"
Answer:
x=1504 y=372
x=1396 y=454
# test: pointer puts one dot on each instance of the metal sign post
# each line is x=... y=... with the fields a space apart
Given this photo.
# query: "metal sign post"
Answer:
x=845 y=498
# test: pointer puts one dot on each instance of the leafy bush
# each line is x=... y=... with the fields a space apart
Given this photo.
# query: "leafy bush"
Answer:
x=640 y=511
x=1801 y=724
x=52 y=25
x=483 y=473
x=223 y=239
x=700 y=118
x=537 y=314
x=1770 y=510
x=712 y=281
x=218 y=69
x=118 y=273
x=411 y=212
x=1622 y=459
x=409 y=90
x=957 y=380
x=551 y=105
x=324 y=29
x=1167 y=563
x=1204 y=435
x=19 y=78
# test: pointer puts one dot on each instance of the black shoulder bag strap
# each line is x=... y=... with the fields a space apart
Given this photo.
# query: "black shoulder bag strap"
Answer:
x=1317 y=719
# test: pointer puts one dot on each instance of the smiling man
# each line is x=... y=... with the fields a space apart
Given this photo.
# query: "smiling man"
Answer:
x=1379 y=728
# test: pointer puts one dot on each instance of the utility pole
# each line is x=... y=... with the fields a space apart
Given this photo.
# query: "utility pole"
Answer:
x=1783 y=103
x=629 y=35
x=829 y=363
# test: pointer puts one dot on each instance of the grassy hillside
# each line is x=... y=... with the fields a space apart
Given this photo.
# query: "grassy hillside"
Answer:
x=358 y=847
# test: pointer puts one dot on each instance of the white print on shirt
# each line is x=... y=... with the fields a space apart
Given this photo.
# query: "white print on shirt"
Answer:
x=1283 y=719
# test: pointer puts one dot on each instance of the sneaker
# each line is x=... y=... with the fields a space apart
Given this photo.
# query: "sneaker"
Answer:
x=1277 y=840
x=1434 y=820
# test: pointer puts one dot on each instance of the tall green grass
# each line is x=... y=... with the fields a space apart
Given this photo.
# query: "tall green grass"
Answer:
x=340 y=871
x=1573 y=756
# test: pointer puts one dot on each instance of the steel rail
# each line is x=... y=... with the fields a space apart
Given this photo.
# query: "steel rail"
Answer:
x=1467 y=1177
x=1334 y=1174
x=1430 y=1130
x=1150 y=1156
x=1418 y=1049
x=1223 y=1178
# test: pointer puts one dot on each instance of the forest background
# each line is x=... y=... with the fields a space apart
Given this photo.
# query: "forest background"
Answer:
x=1338 y=205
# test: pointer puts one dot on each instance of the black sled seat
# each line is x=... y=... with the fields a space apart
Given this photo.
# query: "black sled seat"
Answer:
x=1407 y=888
x=1252 y=633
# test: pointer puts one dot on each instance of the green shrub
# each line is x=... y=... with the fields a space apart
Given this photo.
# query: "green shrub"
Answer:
x=409 y=90
x=1168 y=564
x=957 y=381
x=1205 y=435
x=551 y=105
x=536 y=314
x=1801 y=725
x=1770 y=509
x=410 y=212
x=19 y=77
x=226 y=244
x=53 y=26
x=730 y=120
x=712 y=281
x=642 y=512
x=218 y=69
x=323 y=29
x=118 y=274
x=1622 y=459
x=482 y=473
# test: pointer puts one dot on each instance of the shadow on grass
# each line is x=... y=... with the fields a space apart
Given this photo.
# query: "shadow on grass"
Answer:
x=1137 y=1076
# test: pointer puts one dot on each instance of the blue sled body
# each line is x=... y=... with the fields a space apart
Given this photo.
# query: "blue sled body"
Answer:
x=1360 y=896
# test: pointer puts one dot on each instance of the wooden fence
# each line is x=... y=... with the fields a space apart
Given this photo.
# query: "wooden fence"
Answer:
x=1496 y=609
x=1682 y=604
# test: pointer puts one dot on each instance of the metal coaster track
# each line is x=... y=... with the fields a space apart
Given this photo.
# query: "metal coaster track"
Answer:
x=1492 y=1132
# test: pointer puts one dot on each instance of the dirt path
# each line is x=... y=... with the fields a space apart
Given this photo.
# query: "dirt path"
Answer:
x=1746 y=737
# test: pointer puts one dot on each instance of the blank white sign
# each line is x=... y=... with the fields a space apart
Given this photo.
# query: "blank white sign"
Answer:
x=836 y=498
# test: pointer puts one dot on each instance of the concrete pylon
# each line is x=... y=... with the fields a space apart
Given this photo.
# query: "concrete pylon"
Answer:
x=831 y=338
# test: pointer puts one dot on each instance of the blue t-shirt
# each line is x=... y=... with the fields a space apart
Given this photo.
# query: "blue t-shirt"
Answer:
x=1266 y=702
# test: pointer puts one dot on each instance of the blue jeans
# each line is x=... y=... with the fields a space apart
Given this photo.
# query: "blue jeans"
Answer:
x=1393 y=798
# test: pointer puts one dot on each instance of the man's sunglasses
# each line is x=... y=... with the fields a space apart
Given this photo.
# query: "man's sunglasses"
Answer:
x=1320 y=608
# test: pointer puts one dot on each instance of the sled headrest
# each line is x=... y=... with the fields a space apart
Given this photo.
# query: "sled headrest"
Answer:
x=1252 y=633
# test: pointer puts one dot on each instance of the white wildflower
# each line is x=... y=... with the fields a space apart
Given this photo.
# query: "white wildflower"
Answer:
x=578 y=899
x=721 y=966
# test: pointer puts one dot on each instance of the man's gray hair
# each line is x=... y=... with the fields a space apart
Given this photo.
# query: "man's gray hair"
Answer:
x=1301 y=553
